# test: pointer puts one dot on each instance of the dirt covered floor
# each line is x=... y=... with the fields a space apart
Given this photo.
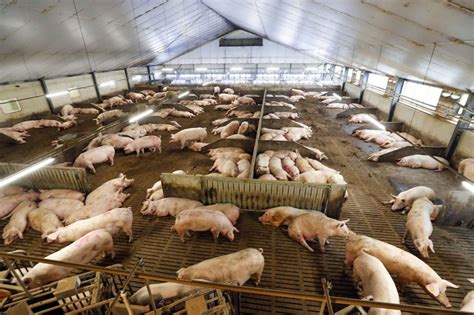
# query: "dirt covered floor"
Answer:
x=288 y=265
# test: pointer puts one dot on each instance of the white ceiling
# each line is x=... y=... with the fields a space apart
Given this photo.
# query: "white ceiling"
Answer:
x=429 y=40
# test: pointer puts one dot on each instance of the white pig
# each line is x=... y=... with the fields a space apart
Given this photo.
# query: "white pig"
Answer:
x=267 y=177
x=18 y=222
x=466 y=167
x=276 y=168
x=263 y=161
x=362 y=118
x=230 y=129
x=82 y=251
x=11 y=190
x=225 y=166
x=316 y=224
x=280 y=215
x=376 y=283
x=290 y=167
x=61 y=207
x=111 y=221
x=61 y=193
x=108 y=115
x=67 y=110
x=229 y=210
x=9 y=203
x=407 y=267
x=96 y=155
x=236 y=268
x=423 y=161
x=203 y=220
x=139 y=145
x=188 y=135
x=170 y=206
x=43 y=221
x=405 y=199
x=468 y=303
x=115 y=140
x=227 y=98
x=162 y=292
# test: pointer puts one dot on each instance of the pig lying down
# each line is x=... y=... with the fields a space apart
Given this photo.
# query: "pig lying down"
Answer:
x=82 y=251
x=424 y=161
x=234 y=269
x=43 y=221
x=161 y=292
x=466 y=168
x=18 y=222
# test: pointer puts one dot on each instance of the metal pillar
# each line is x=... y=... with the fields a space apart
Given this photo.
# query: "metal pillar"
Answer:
x=395 y=98
x=149 y=74
x=333 y=72
x=363 y=85
x=45 y=91
x=127 y=78
x=96 y=86
x=344 y=78
x=462 y=124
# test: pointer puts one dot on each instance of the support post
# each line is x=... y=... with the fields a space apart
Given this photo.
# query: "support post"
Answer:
x=395 y=98
x=462 y=124
x=149 y=74
x=333 y=72
x=127 y=78
x=45 y=92
x=363 y=85
x=344 y=78
x=96 y=86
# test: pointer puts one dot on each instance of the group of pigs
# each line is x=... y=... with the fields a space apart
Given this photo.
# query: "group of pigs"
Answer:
x=235 y=130
x=19 y=131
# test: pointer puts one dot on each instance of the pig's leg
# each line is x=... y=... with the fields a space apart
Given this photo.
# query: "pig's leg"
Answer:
x=404 y=238
x=183 y=143
x=111 y=159
x=138 y=152
x=302 y=241
x=129 y=232
x=259 y=275
x=90 y=166
x=322 y=242
x=215 y=233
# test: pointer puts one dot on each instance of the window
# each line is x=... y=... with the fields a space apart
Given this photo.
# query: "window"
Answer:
x=377 y=80
x=425 y=94
x=10 y=106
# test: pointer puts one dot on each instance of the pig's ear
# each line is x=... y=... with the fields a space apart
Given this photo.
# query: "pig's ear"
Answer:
x=179 y=271
x=345 y=221
x=432 y=288
x=449 y=284
x=393 y=196
x=392 y=201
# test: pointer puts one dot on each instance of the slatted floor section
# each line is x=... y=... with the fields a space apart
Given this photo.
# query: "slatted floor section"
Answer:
x=288 y=265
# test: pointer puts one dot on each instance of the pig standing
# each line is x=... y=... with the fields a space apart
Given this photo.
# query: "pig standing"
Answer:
x=203 y=220
x=162 y=292
x=405 y=199
x=111 y=221
x=18 y=222
x=466 y=167
x=82 y=251
x=280 y=215
x=423 y=161
x=9 y=203
x=43 y=221
x=188 y=135
x=217 y=90
x=139 y=145
x=316 y=224
x=376 y=282
x=406 y=266
x=61 y=207
x=419 y=224
x=115 y=140
x=227 y=98
x=170 y=206
x=61 y=193
x=231 y=211
x=236 y=268
x=96 y=155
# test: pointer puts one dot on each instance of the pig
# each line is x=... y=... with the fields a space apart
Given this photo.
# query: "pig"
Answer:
x=466 y=168
x=149 y=128
x=203 y=220
x=9 y=203
x=423 y=161
x=303 y=165
x=17 y=136
x=290 y=167
x=213 y=152
x=170 y=206
x=411 y=138
x=405 y=199
x=157 y=186
x=67 y=125
x=111 y=221
x=274 y=131
x=376 y=155
x=105 y=116
x=197 y=146
x=296 y=133
x=276 y=169
x=362 y=118
x=43 y=221
x=244 y=126
x=130 y=127
x=18 y=222
x=225 y=166
x=419 y=224
x=244 y=168
x=320 y=155
x=217 y=90
x=26 y=125
x=135 y=133
x=86 y=111
x=237 y=136
x=157 y=195
x=139 y=145
x=196 y=109
x=315 y=177
x=227 y=98
x=376 y=283
x=82 y=251
x=320 y=166
x=267 y=177
x=228 y=91
x=112 y=186
x=188 y=135
x=280 y=215
x=230 y=129
x=134 y=96
x=297 y=92
x=406 y=266
x=61 y=193
x=11 y=190
x=219 y=122
x=61 y=207
x=267 y=136
x=179 y=113
x=206 y=96
x=50 y=123
x=67 y=110
x=117 y=141
x=279 y=138
x=468 y=303
x=236 y=268
x=316 y=224
x=369 y=134
x=229 y=210
x=288 y=115
x=162 y=292
x=164 y=112
x=245 y=100
x=94 y=156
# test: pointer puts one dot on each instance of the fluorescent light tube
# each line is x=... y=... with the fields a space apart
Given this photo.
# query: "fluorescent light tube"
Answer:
x=236 y=69
x=50 y=95
x=136 y=77
x=167 y=69
x=183 y=94
x=108 y=83
x=468 y=186
x=376 y=123
x=272 y=69
x=30 y=169
x=201 y=69
x=140 y=116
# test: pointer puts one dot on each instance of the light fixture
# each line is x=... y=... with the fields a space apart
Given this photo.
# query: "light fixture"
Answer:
x=206 y=83
x=310 y=69
x=455 y=96
x=167 y=69
x=468 y=186
x=201 y=69
x=50 y=95
x=108 y=83
x=272 y=69
x=183 y=94
x=376 y=123
x=236 y=69
x=140 y=116
x=136 y=78
x=337 y=96
x=26 y=171
x=446 y=93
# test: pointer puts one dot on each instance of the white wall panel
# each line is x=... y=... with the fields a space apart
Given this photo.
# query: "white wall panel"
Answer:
x=28 y=107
